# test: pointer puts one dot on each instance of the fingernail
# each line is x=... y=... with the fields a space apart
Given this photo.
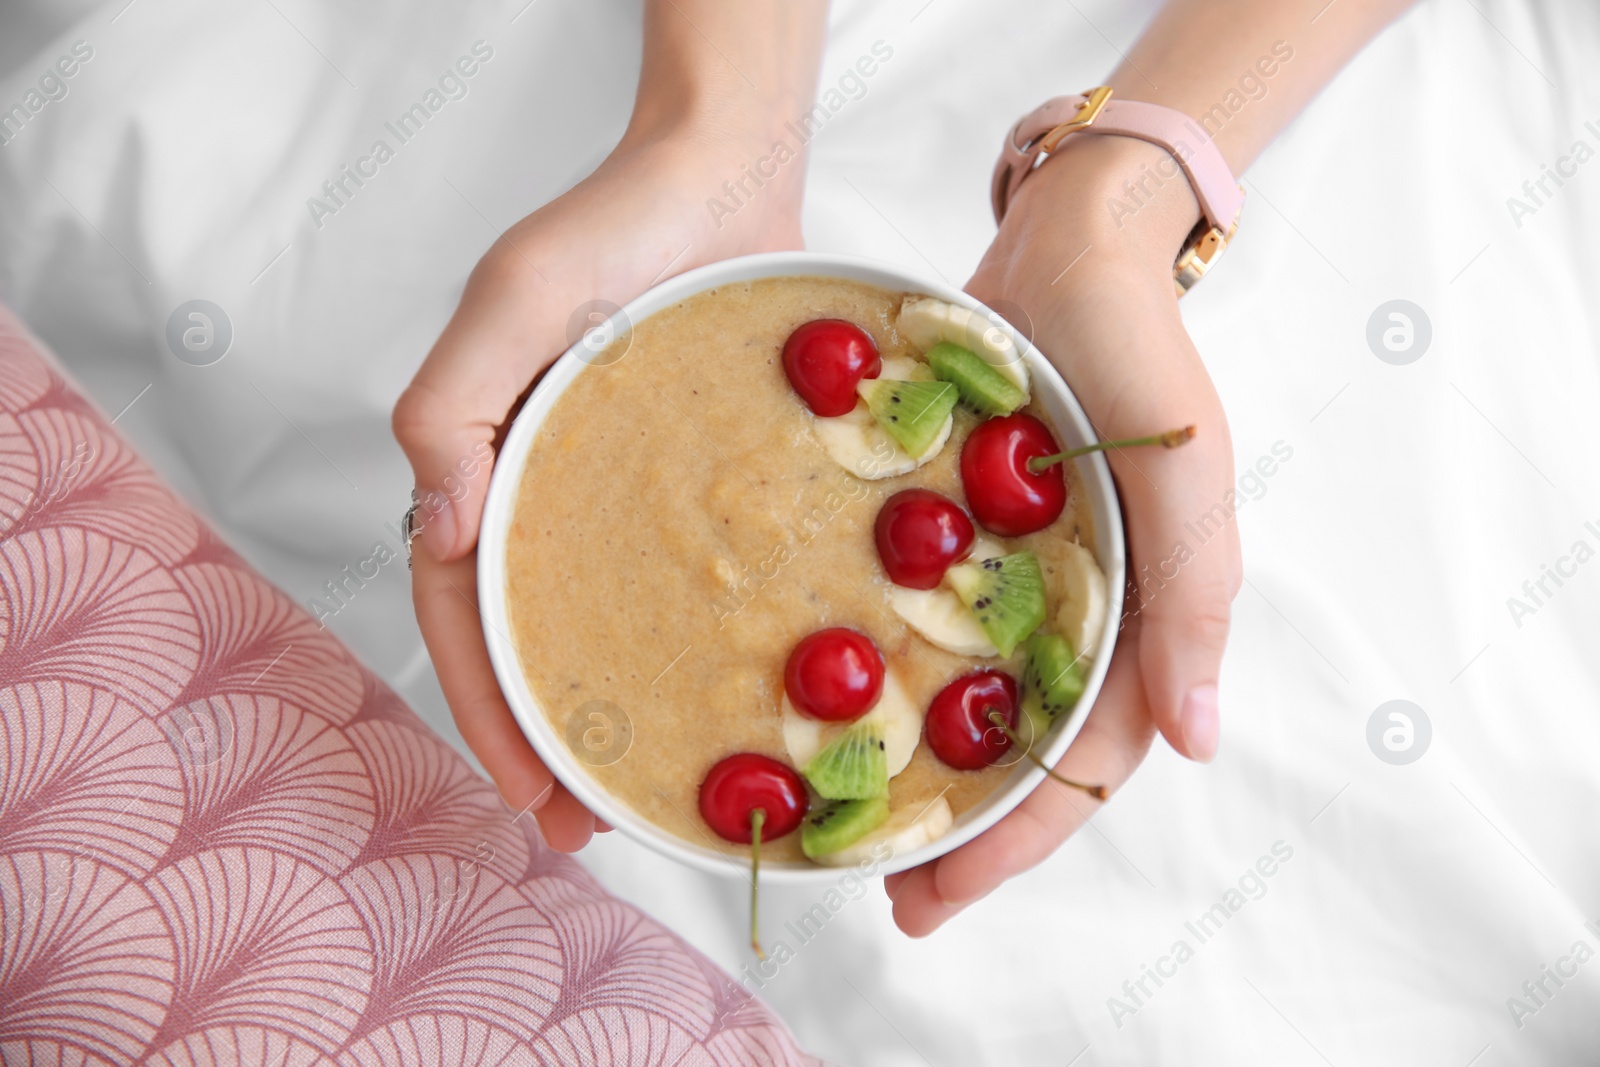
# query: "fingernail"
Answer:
x=439 y=528
x=1201 y=723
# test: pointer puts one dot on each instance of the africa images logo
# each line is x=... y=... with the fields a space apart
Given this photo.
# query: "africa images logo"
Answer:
x=51 y=88
x=338 y=191
x=1252 y=885
x=753 y=176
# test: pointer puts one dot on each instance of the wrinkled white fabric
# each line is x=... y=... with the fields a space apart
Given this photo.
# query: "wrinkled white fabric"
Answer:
x=1406 y=904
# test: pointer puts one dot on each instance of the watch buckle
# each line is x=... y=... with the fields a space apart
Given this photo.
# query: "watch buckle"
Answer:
x=1094 y=102
x=1200 y=253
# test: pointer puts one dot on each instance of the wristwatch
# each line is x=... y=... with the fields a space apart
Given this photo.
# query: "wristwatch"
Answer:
x=1221 y=198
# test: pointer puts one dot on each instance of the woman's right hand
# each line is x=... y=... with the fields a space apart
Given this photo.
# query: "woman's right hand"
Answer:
x=644 y=215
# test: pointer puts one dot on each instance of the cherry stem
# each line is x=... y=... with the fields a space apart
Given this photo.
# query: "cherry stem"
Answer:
x=758 y=819
x=1096 y=791
x=1170 y=439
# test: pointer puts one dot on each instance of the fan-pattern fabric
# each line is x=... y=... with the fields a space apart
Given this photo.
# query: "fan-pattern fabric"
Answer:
x=223 y=842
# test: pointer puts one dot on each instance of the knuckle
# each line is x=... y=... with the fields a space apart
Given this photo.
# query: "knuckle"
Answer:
x=412 y=419
x=1207 y=625
x=1200 y=610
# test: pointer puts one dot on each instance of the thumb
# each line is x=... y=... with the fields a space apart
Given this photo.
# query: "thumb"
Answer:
x=1186 y=570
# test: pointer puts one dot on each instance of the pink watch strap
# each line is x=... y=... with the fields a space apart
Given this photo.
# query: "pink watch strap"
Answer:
x=1214 y=187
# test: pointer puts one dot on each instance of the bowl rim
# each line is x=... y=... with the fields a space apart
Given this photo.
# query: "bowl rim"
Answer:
x=1048 y=389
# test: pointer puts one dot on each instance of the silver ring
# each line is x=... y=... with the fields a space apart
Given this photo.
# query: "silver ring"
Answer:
x=408 y=525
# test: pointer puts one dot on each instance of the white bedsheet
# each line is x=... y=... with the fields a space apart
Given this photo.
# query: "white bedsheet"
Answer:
x=1415 y=900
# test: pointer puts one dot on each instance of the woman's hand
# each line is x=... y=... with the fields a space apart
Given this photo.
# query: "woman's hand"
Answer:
x=1100 y=296
x=641 y=216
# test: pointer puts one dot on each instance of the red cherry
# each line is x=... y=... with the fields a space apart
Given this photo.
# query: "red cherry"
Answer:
x=740 y=784
x=825 y=359
x=958 y=727
x=920 y=534
x=747 y=799
x=834 y=674
x=1005 y=496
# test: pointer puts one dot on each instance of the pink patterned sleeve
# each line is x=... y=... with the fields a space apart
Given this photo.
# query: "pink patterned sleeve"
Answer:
x=224 y=842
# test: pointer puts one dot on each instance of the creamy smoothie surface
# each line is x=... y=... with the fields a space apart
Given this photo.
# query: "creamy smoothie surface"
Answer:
x=679 y=529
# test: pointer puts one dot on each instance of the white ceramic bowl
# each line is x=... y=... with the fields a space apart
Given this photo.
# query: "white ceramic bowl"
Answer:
x=1048 y=389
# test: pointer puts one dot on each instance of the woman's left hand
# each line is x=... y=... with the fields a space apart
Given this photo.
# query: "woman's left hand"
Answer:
x=1100 y=296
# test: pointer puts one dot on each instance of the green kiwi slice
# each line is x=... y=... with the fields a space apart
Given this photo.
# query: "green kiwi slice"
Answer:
x=1006 y=593
x=982 y=388
x=852 y=766
x=912 y=412
x=841 y=823
x=1052 y=681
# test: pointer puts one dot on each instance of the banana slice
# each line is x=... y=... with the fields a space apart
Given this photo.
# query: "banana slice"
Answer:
x=859 y=445
x=942 y=620
x=940 y=616
x=925 y=322
x=906 y=369
x=899 y=718
x=1083 y=597
x=907 y=830
x=986 y=548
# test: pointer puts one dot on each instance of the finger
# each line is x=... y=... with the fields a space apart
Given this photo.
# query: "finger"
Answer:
x=445 y=595
x=918 y=911
x=447 y=611
x=1184 y=548
x=509 y=325
x=1110 y=747
x=566 y=824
